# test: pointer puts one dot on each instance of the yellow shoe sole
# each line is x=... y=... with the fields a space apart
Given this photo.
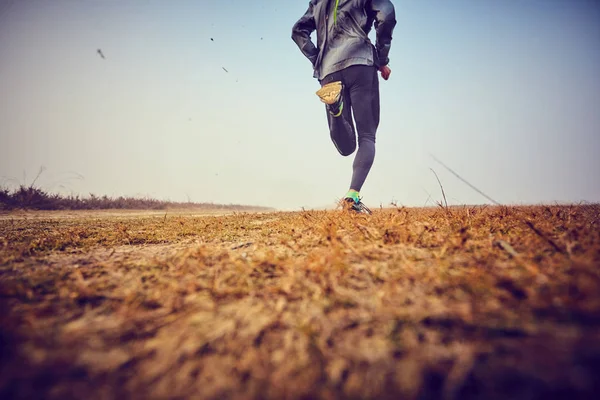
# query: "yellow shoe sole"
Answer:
x=330 y=93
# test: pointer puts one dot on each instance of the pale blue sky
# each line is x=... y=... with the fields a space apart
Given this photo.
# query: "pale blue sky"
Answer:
x=507 y=93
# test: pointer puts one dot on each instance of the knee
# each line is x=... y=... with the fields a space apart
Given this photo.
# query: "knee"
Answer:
x=346 y=151
x=345 y=148
x=366 y=139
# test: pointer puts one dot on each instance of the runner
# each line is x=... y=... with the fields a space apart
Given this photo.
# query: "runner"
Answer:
x=345 y=62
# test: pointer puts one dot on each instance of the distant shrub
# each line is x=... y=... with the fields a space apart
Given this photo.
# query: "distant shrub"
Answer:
x=34 y=198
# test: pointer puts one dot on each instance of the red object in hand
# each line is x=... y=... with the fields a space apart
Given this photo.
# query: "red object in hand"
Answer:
x=385 y=72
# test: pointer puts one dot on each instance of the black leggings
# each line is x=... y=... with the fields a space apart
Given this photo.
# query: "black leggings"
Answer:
x=361 y=98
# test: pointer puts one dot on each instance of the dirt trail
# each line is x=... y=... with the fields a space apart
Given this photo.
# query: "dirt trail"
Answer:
x=94 y=214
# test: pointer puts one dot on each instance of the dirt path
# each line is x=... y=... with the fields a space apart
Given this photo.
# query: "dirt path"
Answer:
x=123 y=214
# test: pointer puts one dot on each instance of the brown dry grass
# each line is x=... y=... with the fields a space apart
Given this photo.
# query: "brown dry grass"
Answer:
x=412 y=303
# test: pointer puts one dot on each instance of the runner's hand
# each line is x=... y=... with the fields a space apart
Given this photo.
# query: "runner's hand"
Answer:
x=385 y=72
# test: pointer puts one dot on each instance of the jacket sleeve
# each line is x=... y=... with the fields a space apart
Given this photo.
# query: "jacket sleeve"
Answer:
x=384 y=15
x=301 y=32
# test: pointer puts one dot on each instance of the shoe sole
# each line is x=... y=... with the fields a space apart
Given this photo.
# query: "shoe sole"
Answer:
x=330 y=93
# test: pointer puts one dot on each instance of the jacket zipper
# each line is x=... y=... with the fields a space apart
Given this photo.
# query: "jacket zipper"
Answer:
x=337 y=3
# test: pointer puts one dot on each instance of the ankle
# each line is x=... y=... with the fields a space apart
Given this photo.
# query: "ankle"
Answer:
x=353 y=194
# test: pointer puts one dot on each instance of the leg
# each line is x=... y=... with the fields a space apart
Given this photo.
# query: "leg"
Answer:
x=364 y=95
x=341 y=128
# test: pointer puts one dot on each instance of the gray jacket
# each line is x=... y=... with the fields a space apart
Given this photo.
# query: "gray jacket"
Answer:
x=342 y=34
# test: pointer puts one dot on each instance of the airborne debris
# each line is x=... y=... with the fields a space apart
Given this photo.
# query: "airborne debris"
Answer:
x=99 y=51
x=225 y=69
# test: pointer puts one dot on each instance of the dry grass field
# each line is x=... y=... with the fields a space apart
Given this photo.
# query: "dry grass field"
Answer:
x=449 y=303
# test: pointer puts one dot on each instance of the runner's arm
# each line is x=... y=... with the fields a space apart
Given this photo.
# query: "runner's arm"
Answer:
x=384 y=14
x=301 y=32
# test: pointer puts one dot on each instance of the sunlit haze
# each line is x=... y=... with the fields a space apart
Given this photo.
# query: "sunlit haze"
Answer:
x=211 y=101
